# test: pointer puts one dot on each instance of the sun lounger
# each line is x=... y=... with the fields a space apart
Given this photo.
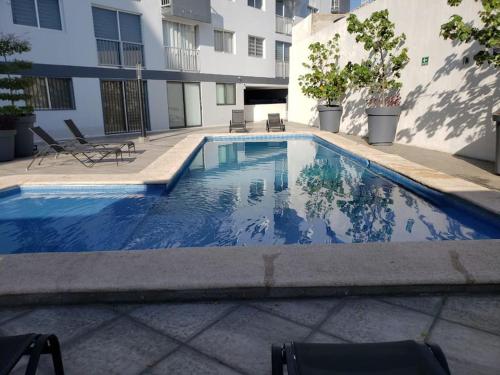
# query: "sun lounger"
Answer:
x=237 y=121
x=274 y=122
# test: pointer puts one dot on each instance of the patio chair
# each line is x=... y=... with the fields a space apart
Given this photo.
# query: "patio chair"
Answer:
x=80 y=138
x=238 y=120
x=80 y=152
x=403 y=357
x=13 y=348
x=274 y=122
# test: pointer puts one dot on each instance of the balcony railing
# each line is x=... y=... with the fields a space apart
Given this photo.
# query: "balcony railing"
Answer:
x=165 y=3
x=284 y=25
x=282 y=69
x=182 y=59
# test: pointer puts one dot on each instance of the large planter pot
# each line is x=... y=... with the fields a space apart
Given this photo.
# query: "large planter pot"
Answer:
x=24 y=136
x=329 y=118
x=382 y=124
x=496 y=118
x=7 y=144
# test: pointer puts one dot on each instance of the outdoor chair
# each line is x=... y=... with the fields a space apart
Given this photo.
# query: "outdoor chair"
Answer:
x=80 y=152
x=13 y=348
x=274 y=122
x=80 y=138
x=395 y=358
x=237 y=121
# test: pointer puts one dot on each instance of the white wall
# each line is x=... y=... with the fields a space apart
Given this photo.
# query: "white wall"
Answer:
x=447 y=106
x=259 y=112
x=214 y=114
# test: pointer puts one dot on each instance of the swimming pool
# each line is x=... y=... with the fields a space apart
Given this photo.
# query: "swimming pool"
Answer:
x=242 y=191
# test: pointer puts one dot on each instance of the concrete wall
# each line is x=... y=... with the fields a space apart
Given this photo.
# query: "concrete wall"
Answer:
x=259 y=112
x=447 y=105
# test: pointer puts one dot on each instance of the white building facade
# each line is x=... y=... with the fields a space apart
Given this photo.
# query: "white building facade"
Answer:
x=200 y=59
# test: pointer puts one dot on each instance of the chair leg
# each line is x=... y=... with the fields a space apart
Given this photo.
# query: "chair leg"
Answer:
x=277 y=360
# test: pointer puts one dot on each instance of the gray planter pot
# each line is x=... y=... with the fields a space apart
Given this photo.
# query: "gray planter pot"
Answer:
x=7 y=144
x=329 y=118
x=24 y=136
x=496 y=118
x=382 y=124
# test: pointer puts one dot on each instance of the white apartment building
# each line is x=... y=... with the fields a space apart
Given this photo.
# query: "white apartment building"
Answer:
x=200 y=59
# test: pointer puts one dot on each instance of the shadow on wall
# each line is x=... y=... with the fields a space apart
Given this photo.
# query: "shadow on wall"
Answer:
x=314 y=119
x=354 y=114
x=465 y=108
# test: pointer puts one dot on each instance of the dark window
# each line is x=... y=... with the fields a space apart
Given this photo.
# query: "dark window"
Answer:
x=223 y=41
x=38 y=13
x=51 y=94
x=255 y=3
x=263 y=96
x=226 y=93
x=255 y=46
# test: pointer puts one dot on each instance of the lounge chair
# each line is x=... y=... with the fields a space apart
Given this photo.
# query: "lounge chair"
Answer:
x=80 y=152
x=274 y=122
x=237 y=121
x=80 y=138
x=395 y=358
x=13 y=348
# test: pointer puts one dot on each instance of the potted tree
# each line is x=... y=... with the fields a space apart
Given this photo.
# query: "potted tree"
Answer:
x=15 y=120
x=488 y=37
x=326 y=82
x=379 y=73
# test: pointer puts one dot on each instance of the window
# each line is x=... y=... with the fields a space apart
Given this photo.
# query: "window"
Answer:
x=255 y=3
x=282 y=57
x=284 y=8
x=312 y=10
x=335 y=6
x=119 y=37
x=180 y=46
x=226 y=93
x=255 y=46
x=223 y=41
x=51 y=93
x=37 y=13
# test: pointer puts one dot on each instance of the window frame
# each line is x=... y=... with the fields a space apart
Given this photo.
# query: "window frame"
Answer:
x=262 y=6
x=120 y=41
x=226 y=85
x=263 y=47
x=223 y=46
x=48 y=94
x=37 y=17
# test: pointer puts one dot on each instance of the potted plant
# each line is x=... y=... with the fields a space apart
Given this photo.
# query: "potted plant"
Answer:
x=15 y=120
x=379 y=73
x=488 y=37
x=326 y=82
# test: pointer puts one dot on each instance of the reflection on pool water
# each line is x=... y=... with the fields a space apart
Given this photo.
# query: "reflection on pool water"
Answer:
x=295 y=191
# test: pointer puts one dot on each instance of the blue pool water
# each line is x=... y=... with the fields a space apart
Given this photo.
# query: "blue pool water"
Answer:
x=288 y=191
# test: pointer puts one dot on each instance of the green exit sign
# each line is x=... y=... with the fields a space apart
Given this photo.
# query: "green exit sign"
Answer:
x=425 y=60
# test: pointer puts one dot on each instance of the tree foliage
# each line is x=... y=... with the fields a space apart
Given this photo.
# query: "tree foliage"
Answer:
x=325 y=81
x=12 y=88
x=488 y=36
x=381 y=71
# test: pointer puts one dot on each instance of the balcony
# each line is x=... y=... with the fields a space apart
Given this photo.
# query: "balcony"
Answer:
x=182 y=59
x=282 y=69
x=284 y=25
x=193 y=10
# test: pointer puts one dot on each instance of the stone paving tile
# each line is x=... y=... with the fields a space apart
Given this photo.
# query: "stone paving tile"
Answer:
x=481 y=312
x=65 y=322
x=307 y=311
x=121 y=347
x=469 y=351
x=11 y=313
x=428 y=305
x=322 y=338
x=185 y=361
x=243 y=339
x=367 y=320
x=181 y=321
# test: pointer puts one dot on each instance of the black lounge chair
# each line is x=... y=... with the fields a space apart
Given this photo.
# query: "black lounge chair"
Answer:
x=13 y=348
x=274 y=122
x=237 y=121
x=395 y=358
x=81 y=153
x=80 y=138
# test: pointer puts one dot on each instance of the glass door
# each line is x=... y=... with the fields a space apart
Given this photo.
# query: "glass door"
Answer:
x=184 y=104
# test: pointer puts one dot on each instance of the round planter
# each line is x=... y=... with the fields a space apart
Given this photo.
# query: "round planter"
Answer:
x=382 y=124
x=24 y=136
x=7 y=144
x=329 y=118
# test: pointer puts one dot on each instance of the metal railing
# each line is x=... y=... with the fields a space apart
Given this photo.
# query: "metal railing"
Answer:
x=165 y=3
x=282 y=69
x=284 y=25
x=182 y=59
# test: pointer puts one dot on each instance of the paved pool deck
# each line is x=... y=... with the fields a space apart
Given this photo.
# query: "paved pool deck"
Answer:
x=234 y=337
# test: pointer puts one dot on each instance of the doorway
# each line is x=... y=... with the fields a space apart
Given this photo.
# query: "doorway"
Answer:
x=184 y=104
